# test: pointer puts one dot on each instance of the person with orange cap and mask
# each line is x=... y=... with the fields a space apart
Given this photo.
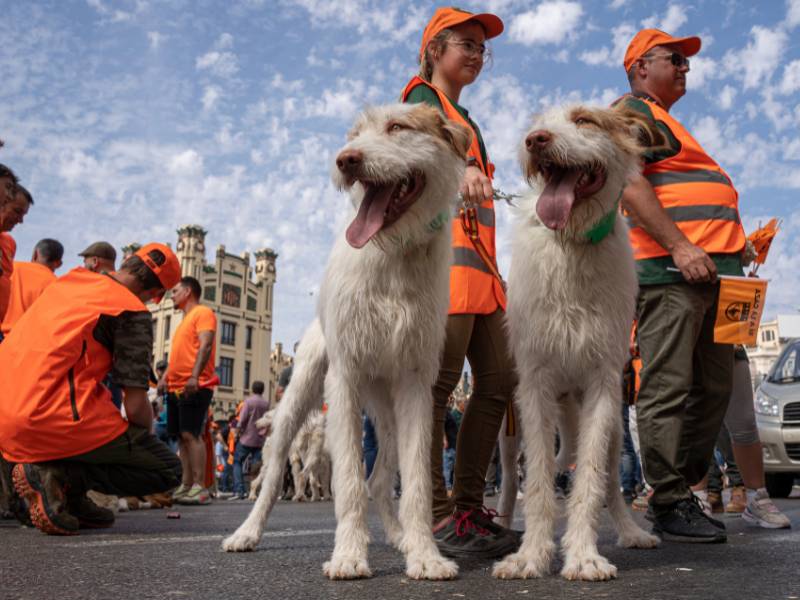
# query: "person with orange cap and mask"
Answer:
x=452 y=55
x=58 y=425
x=685 y=231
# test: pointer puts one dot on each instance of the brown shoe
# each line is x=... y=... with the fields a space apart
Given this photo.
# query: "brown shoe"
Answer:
x=44 y=492
x=738 y=500
x=89 y=515
x=715 y=500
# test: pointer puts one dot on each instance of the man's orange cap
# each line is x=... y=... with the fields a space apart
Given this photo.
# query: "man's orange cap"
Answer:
x=450 y=16
x=169 y=274
x=650 y=38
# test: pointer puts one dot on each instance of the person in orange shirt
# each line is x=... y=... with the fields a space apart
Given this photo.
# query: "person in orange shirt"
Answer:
x=190 y=379
x=15 y=201
x=57 y=420
x=29 y=280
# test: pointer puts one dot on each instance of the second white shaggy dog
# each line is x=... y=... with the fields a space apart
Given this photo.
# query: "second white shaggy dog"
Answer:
x=570 y=309
x=379 y=334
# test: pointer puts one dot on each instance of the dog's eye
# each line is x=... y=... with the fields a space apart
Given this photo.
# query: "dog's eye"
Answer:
x=395 y=127
x=583 y=121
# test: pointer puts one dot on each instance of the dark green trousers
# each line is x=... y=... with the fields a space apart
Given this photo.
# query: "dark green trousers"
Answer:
x=686 y=382
x=482 y=340
x=134 y=464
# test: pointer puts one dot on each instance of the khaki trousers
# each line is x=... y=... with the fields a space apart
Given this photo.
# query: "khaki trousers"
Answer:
x=482 y=340
x=686 y=382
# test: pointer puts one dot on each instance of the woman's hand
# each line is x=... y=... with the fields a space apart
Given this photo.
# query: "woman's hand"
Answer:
x=475 y=187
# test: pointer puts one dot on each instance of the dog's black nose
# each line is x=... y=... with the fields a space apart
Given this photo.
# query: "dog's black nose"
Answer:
x=538 y=139
x=349 y=160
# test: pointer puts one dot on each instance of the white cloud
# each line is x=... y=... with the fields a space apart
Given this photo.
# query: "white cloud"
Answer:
x=673 y=18
x=792 y=13
x=726 y=97
x=186 y=164
x=702 y=70
x=552 y=22
x=790 y=83
x=211 y=95
x=621 y=36
x=756 y=62
x=617 y=4
x=155 y=38
x=219 y=61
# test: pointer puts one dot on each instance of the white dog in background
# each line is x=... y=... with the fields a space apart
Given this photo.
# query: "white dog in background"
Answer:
x=379 y=335
x=310 y=461
x=571 y=305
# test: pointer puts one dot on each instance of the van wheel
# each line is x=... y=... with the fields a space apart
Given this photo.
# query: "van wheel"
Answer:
x=779 y=485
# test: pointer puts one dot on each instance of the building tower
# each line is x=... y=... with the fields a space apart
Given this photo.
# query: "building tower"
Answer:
x=191 y=250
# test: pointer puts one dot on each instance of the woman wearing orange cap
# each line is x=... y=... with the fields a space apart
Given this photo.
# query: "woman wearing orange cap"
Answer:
x=452 y=55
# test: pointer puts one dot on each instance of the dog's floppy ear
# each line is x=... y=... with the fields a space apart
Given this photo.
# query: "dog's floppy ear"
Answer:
x=644 y=130
x=458 y=136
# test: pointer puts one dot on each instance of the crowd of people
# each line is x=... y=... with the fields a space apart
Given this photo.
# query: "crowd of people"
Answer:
x=77 y=348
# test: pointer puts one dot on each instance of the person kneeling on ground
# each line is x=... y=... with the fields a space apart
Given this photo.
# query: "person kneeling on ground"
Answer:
x=57 y=421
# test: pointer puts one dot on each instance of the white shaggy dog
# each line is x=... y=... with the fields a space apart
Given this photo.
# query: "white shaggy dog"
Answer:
x=310 y=461
x=570 y=309
x=379 y=333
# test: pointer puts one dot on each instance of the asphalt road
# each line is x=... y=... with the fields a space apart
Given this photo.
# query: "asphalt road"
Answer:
x=146 y=555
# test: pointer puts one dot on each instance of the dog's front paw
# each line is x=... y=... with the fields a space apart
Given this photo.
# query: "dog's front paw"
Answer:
x=240 y=542
x=430 y=566
x=346 y=567
x=638 y=538
x=588 y=567
x=522 y=565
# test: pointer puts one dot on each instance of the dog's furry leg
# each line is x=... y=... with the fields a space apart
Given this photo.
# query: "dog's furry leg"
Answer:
x=349 y=558
x=630 y=534
x=381 y=480
x=537 y=408
x=509 y=454
x=568 y=419
x=302 y=395
x=412 y=408
x=299 y=478
x=600 y=412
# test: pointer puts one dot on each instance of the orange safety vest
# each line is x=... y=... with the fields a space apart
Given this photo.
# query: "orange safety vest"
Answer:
x=8 y=248
x=474 y=289
x=28 y=281
x=53 y=402
x=697 y=194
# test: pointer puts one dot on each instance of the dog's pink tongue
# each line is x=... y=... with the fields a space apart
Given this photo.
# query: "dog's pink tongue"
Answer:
x=556 y=201
x=369 y=219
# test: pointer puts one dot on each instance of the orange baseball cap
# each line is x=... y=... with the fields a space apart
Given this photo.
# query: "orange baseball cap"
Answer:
x=450 y=16
x=169 y=274
x=650 y=38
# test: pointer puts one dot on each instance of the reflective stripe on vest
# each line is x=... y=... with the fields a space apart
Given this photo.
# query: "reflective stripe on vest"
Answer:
x=696 y=194
x=473 y=289
x=57 y=406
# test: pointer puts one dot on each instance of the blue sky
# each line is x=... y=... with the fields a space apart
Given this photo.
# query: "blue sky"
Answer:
x=127 y=119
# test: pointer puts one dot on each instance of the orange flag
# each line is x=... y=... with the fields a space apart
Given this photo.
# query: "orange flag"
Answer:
x=761 y=239
x=741 y=303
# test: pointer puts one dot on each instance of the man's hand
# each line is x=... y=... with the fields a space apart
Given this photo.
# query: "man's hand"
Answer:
x=192 y=385
x=475 y=187
x=695 y=265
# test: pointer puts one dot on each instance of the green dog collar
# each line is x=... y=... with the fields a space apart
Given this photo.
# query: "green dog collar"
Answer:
x=600 y=230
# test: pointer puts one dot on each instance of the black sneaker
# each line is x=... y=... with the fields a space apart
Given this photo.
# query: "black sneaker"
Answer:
x=485 y=518
x=685 y=522
x=699 y=507
x=460 y=536
x=44 y=494
x=89 y=515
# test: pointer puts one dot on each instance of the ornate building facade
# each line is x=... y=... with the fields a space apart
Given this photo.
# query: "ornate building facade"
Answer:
x=241 y=296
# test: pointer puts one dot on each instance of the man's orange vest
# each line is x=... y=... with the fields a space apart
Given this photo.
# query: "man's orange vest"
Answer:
x=697 y=195
x=473 y=287
x=28 y=281
x=8 y=248
x=51 y=368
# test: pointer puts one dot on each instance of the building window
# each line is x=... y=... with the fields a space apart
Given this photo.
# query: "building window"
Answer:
x=225 y=370
x=167 y=325
x=231 y=295
x=247 y=375
x=210 y=293
x=248 y=339
x=252 y=304
x=228 y=333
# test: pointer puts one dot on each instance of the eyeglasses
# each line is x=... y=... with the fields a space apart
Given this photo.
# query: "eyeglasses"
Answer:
x=470 y=48
x=677 y=59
